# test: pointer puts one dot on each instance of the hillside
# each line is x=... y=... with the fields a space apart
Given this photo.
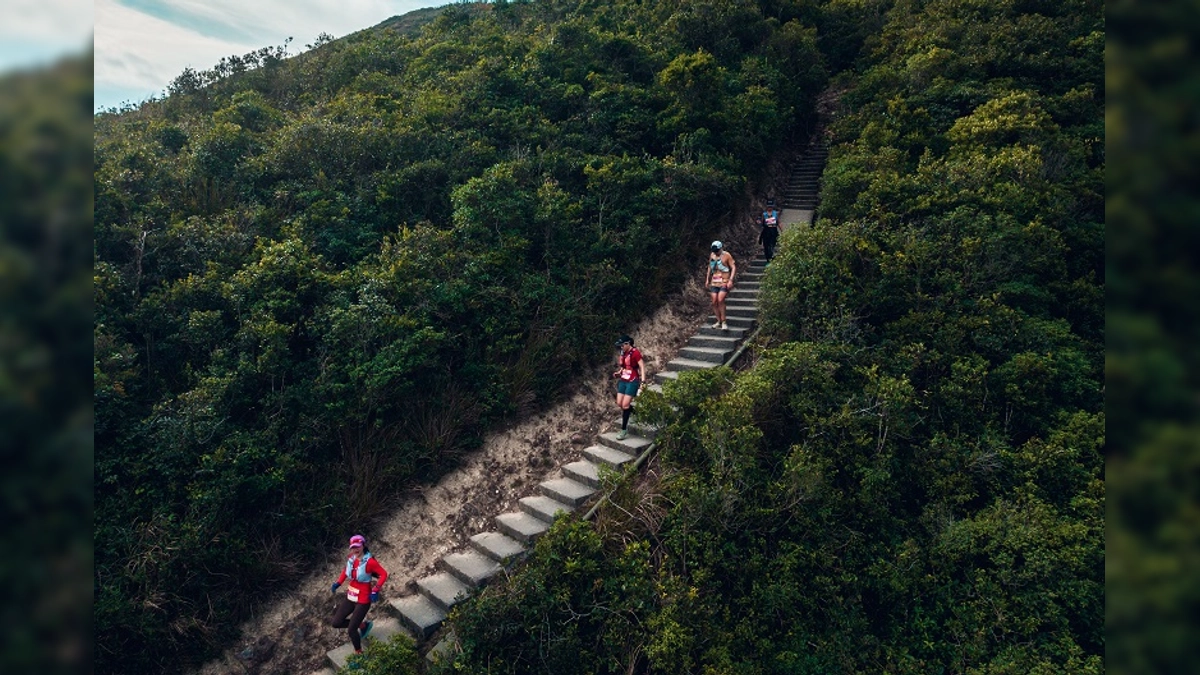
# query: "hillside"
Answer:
x=321 y=278
x=909 y=479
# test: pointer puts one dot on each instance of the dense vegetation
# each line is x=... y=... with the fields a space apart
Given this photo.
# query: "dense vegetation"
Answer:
x=910 y=477
x=45 y=404
x=1153 y=329
x=321 y=277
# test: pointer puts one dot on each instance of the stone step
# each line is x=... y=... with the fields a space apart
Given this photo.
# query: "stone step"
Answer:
x=470 y=567
x=664 y=375
x=713 y=341
x=734 y=321
x=736 y=332
x=601 y=454
x=521 y=526
x=716 y=355
x=637 y=428
x=678 y=364
x=567 y=491
x=419 y=614
x=744 y=285
x=732 y=310
x=543 y=508
x=583 y=471
x=443 y=652
x=499 y=547
x=381 y=631
x=443 y=589
x=632 y=445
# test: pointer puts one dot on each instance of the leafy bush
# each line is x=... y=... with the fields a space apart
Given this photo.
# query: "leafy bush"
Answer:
x=397 y=656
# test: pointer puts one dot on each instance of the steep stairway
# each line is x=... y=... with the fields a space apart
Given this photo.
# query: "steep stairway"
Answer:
x=567 y=490
x=711 y=347
x=801 y=198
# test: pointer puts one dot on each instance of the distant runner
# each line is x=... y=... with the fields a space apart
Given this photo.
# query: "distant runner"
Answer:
x=632 y=372
x=366 y=577
x=719 y=281
x=772 y=227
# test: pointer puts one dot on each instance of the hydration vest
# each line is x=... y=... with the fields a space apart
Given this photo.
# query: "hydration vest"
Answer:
x=362 y=577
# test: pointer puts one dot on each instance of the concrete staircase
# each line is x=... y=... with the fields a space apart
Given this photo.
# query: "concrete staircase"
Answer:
x=488 y=554
x=711 y=347
x=801 y=198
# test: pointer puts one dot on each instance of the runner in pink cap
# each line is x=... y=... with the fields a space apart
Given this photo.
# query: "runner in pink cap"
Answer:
x=366 y=577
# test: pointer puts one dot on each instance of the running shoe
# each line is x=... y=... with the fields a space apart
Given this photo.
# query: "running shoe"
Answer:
x=366 y=629
x=716 y=324
x=724 y=326
x=622 y=434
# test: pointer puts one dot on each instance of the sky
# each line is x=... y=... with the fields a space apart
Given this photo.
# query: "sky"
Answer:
x=141 y=45
x=38 y=32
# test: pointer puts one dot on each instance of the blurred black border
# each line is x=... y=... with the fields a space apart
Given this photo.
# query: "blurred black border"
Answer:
x=1153 y=393
x=1152 y=331
x=46 y=445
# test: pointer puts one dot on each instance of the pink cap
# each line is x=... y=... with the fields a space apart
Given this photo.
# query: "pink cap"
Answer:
x=358 y=540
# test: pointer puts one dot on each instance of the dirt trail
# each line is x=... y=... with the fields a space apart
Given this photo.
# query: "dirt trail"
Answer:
x=290 y=634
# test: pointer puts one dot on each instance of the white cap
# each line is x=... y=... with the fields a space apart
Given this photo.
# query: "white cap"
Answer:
x=716 y=244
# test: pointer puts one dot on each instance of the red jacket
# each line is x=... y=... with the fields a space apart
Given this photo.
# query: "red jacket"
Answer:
x=361 y=592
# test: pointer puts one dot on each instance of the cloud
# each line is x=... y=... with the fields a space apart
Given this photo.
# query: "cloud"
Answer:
x=137 y=51
x=52 y=21
x=272 y=20
x=39 y=31
x=141 y=45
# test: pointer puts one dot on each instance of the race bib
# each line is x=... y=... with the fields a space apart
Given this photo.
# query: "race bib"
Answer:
x=352 y=594
x=627 y=374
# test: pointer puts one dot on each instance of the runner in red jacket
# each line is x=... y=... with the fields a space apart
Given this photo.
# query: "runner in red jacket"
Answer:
x=632 y=372
x=366 y=577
